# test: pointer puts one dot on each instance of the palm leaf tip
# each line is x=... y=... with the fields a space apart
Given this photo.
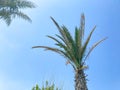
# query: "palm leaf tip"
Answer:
x=56 y=24
x=54 y=21
x=92 y=48
x=36 y=46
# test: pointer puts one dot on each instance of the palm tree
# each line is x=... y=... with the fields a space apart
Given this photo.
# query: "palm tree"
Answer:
x=74 y=50
x=10 y=9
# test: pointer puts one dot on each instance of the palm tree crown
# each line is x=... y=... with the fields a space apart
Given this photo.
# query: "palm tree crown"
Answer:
x=9 y=9
x=73 y=49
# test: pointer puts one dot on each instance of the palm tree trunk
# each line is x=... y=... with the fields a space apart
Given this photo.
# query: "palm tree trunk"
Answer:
x=80 y=80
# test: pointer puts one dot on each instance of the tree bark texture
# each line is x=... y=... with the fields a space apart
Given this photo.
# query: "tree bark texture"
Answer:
x=80 y=80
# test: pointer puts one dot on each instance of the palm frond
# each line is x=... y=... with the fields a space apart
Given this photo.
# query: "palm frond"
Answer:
x=78 y=44
x=7 y=19
x=17 y=4
x=69 y=53
x=84 y=47
x=56 y=24
x=91 y=49
x=61 y=52
x=68 y=40
x=23 y=16
x=5 y=15
x=82 y=25
x=48 y=48
x=61 y=31
x=79 y=36
x=25 y=4
x=9 y=9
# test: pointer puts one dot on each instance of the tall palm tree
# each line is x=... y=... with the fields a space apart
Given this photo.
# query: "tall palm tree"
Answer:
x=74 y=50
x=10 y=9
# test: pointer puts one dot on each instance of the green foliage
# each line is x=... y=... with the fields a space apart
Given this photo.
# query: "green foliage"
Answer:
x=10 y=9
x=46 y=87
x=73 y=49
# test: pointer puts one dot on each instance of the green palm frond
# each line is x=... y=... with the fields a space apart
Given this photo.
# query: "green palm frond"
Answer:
x=61 y=52
x=17 y=3
x=65 y=51
x=6 y=16
x=9 y=9
x=73 y=49
x=23 y=16
x=68 y=41
x=25 y=4
x=7 y=20
x=49 y=48
x=59 y=28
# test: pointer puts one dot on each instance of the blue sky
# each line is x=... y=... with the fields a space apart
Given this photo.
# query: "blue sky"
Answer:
x=22 y=67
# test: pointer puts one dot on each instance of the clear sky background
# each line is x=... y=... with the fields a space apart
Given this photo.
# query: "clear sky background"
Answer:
x=21 y=67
